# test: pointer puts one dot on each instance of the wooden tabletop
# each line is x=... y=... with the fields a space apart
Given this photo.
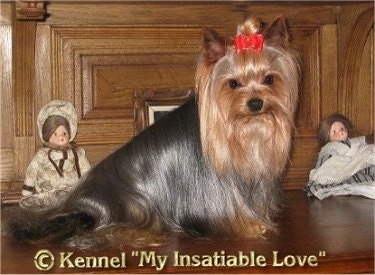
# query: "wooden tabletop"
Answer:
x=335 y=235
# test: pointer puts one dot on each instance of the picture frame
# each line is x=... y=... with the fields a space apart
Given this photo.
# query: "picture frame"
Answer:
x=156 y=112
x=151 y=104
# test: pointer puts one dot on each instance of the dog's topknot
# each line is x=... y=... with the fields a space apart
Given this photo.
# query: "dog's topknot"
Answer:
x=251 y=26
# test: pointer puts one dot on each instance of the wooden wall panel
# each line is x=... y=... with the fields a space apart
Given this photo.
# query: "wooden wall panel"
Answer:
x=109 y=82
x=6 y=106
x=328 y=70
x=306 y=40
x=309 y=41
x=147 y=13
x=299 y=13
x=99 y=68
x=362 y=96
x=356 y=83
x=23 y=62
x=6 y=100
x=99 y=55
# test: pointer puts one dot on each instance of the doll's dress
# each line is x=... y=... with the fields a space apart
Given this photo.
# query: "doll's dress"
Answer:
x=344 y=168
x=46 y=186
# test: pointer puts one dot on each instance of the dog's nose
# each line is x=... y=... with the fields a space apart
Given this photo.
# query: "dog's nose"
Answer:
x=255 y=104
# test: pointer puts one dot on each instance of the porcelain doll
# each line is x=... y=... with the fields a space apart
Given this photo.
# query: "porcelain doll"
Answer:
x=346 y=164
x=56 y=167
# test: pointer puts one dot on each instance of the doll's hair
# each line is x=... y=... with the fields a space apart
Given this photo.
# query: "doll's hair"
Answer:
x=325 y=127
x=51 y=124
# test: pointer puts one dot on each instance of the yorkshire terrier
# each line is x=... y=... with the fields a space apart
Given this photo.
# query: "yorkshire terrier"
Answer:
x=211 y=168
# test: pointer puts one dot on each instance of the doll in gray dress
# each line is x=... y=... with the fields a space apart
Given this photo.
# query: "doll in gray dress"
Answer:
x=346 y=164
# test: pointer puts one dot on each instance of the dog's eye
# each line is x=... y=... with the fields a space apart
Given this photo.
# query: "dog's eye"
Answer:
x=268 y=80
x=234 y=84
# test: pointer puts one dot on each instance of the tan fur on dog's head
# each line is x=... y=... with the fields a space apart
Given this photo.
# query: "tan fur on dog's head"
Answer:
x=247 y=100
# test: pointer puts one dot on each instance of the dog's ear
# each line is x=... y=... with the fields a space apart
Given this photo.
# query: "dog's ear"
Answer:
x=276 y=33
x=214 y=45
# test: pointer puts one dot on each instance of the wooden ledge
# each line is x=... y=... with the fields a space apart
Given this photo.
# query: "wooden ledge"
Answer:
x=335 y=235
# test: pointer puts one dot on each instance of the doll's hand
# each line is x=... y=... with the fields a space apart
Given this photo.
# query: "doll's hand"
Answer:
x=46 y=186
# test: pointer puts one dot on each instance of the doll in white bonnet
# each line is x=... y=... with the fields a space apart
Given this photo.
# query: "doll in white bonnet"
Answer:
x=57 y=166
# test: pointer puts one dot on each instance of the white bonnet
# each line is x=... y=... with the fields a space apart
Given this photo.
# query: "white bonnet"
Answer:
x=61 y=108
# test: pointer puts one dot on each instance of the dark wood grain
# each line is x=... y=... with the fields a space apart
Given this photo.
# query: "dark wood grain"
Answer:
x=342 y=228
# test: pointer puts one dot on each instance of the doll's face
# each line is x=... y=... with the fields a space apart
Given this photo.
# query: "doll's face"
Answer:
x=60 y=137
x=338 y=132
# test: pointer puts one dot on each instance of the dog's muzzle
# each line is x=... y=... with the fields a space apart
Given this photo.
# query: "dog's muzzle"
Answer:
x=255 y=105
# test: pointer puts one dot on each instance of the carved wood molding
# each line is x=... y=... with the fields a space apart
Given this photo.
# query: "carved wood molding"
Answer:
x=23 y=64
x=83 y=55
x=30 y=10
x=353 y=55
x=98 y=68
x=307 y=42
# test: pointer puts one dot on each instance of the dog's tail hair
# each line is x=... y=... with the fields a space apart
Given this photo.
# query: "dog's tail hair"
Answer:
x=46 y=227
x=81 y=229
x=82 y=213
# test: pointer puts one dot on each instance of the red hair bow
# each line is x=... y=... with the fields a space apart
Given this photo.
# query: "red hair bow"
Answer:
x=254 y=42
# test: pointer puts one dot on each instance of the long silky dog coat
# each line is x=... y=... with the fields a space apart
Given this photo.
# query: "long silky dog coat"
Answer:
x=209 y=168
